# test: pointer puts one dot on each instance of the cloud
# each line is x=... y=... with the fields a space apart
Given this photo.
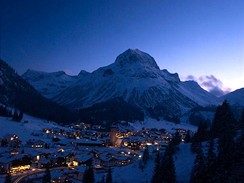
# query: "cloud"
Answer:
x=210 y=83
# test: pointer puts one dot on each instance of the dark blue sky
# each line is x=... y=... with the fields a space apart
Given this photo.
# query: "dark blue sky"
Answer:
x=191 y=37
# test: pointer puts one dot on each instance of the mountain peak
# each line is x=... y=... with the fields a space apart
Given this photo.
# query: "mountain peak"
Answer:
x=135 y=56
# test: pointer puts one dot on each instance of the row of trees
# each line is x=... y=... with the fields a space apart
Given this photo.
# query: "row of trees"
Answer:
x=224 y=160
x=16 y=115
x=164 y=170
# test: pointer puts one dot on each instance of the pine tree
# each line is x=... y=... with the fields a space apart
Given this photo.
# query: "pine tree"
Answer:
x=176 y=138
x=20 y=116
x=168 y=170
x=88 y=176
x=47 y=176
x=15 y=115
x=223 y=120
x=198 y=170
x=109 y=178
x=157 y=174
x=188 y=137
x=145 y=155
x=242 y=120
x=167 y=167
x=226 y=134
x=8 y=178
x=210 y=162
x=238 y=160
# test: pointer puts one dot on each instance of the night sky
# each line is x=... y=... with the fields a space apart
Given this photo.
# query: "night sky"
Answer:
x=199 y=39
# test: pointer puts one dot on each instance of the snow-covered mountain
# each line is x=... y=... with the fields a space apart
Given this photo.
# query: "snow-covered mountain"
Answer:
x=50 y=84
x=16 y=92
x=234 y=98
x=136 y=78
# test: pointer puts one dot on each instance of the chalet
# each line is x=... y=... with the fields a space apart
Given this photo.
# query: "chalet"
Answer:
x=107 y=161
x=79 y=173
x=5 y=163
x=86 y=142
x=85 y=160
x=33 y=143
x=122 y=160
x=15 y=143
x=43 y=162
x=59 y=176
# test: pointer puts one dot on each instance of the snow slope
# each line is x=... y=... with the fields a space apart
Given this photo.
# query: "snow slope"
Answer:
x=25 y=130
x=131 y=173
x=184 y=160
x=49 y=84
x=136 y=77
x=235 y=98
x=162 y=124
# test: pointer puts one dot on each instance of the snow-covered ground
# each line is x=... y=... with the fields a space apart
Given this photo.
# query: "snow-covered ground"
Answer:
x=126 y=174
x=24 y=130
x=184 y=160
x=131 y=173
x=169 y=126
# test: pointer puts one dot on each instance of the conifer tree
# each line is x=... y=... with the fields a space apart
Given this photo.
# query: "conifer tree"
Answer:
x=238 y=160
x=188 y=137
x=176 y=138
x=223 y=120
x=157 y=173
x=226 y=135
x=198 y=170
x=109 y=178
x=210 y=162
x=242 y=120
x=167 y=167
x=15 y=115
x=88 y=176
x=47 y=176
x=8 y=178
x=145 y=155
x=20 y=116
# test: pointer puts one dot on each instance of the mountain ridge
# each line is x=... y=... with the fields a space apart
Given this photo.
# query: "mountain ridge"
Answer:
x=18 y=93
x=135 y=77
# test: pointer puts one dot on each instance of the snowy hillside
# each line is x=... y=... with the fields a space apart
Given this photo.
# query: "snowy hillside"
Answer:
x=49 y=84
x=25 y=130
x=235 y=98
x=162 y=124
x=136 y=77
x=17 y=92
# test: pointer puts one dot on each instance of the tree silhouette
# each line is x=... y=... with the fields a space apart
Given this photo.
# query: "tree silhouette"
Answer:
x=109 y=178
x=47 y=176
x=145 y=155
x=88 y=176
x=157 y=176
x=198 y=170
x=8 y=178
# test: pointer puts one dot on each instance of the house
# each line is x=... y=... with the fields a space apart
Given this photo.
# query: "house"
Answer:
x=5 y=163
x=43 y=162
x=59 y=177
x=122 y=160
x=107 y=161
x=33 y=143
x=79 y=172
x=85 y=160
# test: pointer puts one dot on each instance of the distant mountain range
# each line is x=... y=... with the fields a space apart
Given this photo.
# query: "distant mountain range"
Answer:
x=136 y=80
x=129 y=89
x=15 y=92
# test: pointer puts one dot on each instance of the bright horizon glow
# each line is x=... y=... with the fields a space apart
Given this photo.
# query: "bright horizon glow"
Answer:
x=192 y=38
